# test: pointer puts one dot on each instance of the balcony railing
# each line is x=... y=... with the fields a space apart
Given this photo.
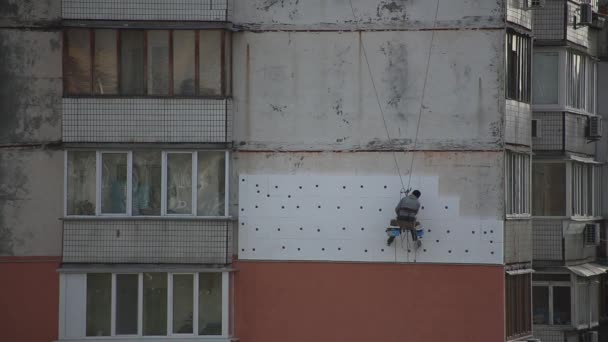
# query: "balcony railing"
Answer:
x=147 y=240
x=559 y=242
x=158 y=10
x=146 y=120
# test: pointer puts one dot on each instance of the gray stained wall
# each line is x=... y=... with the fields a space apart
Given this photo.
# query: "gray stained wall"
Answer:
x=300 y=90
x=31 y=166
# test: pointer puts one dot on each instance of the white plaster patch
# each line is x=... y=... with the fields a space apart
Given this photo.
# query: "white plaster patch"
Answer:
x=336 y=218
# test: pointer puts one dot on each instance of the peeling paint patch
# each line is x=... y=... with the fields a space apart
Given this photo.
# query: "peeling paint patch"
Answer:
x=392 y=10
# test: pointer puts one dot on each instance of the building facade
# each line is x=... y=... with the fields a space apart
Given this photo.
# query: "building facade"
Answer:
x=214 y=170
x=567 y=172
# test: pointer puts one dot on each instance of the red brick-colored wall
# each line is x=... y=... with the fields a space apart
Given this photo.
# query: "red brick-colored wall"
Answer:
x=29 y=299
x=341 y=302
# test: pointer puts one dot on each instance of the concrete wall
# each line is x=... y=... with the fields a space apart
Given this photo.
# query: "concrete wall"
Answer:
x=329 y=14
x=31 y=176
x=312 y=91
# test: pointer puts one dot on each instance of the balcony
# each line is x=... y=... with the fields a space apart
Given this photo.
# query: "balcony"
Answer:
x=559 y=132
x=149 y=240
x=159 y=10
x=146 y=120
x=559 y=242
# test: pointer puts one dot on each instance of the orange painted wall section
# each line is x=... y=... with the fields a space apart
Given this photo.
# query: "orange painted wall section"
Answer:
x=338 y=302
x=29 y=299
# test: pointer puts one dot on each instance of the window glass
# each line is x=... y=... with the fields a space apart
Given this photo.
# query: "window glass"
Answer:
x=211 y=183
x=106 y=62
x=183 y=306
x=179 y=183
x=81 y=183
x=549 y=195
x=78 y=61
x=183 y=62
x=113 y=183
x=210 y=304
x=132 y=62
x=545 y=78
x=99 y=294
x=210 y=61
x=540 y=310
x=155 y=304
x=127 y=286
x=518 y=58
x=158 y=64
x=147 y=168
x=561 y=305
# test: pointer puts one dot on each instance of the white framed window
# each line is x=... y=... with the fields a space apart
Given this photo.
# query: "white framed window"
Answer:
x=518 y=172
x=146 y=183
x=551 y=299
x=581 y=80
x=586 y=184
x=587 y=301
x=518 y=61
x=546 y=78
x=156 y=304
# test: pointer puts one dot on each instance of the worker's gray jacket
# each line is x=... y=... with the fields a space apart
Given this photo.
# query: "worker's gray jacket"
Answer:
x=408 y=207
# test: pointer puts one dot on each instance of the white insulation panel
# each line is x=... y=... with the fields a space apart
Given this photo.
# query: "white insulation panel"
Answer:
x=335 y=218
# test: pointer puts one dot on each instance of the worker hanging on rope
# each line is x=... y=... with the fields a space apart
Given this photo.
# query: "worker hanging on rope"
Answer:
x=406 y=211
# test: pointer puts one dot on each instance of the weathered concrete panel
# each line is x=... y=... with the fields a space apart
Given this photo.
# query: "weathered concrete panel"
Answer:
x=31 y=86
x=18 y=12
x=518 y=241
x=31 y=192
x=330 y=14
x=313 y=91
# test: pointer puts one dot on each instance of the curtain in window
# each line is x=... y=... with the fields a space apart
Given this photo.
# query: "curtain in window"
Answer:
x=179 y=183
x=210 y=61
x=132 y=62
x=114 y=183
x=147 y=168
x=211 y=183
x=183 y=62
x=106 y=62
x=158 y=64
x=78 y=61
x=81 y=183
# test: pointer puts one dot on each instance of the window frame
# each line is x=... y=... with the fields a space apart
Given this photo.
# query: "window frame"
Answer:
x=550 y=285
x=581 y=89
x=518 y=284
x=518 y=187
x=584 y=183
x=129 y=206
x=225 y=69
x=225 y=297
x=518 y=66
x=582 y=282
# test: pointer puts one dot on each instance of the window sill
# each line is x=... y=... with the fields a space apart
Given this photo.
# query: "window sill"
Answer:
x=518 y=217
x=586 y=218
